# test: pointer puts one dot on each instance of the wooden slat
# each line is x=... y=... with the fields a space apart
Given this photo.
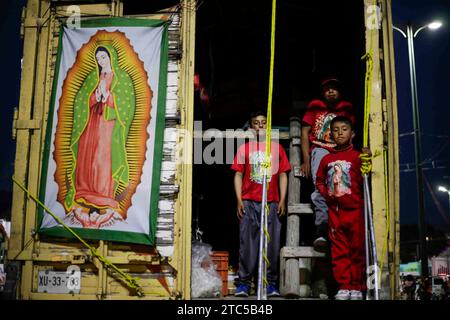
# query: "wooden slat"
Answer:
x=86 y=10
x=300 y=252
x=300 y=208
x=232 y=134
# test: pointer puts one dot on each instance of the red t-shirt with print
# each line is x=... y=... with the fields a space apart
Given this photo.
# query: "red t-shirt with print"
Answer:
x=318 y=116
x=249 y=159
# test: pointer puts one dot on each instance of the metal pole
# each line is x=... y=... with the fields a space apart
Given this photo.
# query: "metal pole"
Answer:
x=366 y=234
x=372 y=236
x=418 y=153
x=261 y=290
x=448 y=200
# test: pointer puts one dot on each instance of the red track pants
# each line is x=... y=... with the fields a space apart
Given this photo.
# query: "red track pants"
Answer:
x=346 y=234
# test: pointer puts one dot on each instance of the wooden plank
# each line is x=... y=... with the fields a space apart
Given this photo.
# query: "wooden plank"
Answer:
x=165 y=205
x=172 y=67
x=28 y=124
x=232 y=134
x=376 y=141
x=91 y=296
x=168 y=166
x=393 y=153
x=300 y=208
x=36 y=141
x=164 y=189
x=291 y=287
x=168 y=176
x=300 y=252
x=19 y=208
x=61 y=257
x=85 y=9
x=152 y=287
x=172 y=78
x=51 y=59
x=183 y=213
x=171 y=107
x=166 y=218
x=23 y=136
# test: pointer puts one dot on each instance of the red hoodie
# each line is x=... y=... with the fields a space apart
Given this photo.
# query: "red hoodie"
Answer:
x=339 y=179
x=319 y=116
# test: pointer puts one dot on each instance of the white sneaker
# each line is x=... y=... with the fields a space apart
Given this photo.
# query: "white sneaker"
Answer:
x=342 y=295
x=323 y=296
x=356 y=295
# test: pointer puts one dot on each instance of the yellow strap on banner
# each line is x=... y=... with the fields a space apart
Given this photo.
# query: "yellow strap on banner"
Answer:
x=130 y=281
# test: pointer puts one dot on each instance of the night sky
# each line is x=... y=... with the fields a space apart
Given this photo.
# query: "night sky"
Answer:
x=10 y=13
x=432 y=53
x=433 y=80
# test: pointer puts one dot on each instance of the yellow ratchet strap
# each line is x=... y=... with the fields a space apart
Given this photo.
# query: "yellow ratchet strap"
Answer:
x=129 y=280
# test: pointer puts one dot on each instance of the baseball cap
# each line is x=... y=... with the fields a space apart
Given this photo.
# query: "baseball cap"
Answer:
x=329 y=81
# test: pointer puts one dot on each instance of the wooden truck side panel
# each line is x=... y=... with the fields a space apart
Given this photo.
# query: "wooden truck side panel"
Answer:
x=157 y=267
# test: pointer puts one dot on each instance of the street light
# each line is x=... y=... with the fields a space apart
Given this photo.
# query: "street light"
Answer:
x=435 y=25
x=410 y=35
x=443 y=189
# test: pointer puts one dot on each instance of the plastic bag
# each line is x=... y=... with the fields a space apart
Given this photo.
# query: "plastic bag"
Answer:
x=205 y=281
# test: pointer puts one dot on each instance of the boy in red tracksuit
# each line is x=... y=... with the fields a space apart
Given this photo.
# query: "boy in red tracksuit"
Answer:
x=339 y=181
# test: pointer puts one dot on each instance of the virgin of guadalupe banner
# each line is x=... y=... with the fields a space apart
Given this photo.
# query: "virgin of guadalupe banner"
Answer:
x=103 y=150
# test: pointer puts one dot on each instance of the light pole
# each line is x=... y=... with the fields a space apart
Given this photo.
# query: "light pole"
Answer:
x=410 y=35
x=443 y=189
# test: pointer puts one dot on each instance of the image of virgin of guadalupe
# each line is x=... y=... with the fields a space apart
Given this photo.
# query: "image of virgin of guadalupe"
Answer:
x=98 y=142
x=101 y=132
x=103 y=112
x=339 y=181
x=324 y=131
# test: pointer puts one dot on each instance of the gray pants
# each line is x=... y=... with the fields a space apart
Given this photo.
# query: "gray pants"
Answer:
x=320 y=205
x=249 y=242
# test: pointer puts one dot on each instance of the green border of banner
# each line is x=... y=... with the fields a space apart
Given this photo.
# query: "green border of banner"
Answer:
x=121 y=236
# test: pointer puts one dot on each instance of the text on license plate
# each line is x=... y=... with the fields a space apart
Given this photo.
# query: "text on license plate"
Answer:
x=59 y=282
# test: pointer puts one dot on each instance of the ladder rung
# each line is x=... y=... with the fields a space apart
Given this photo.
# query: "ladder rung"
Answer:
x=300 y=208
x=300 y=252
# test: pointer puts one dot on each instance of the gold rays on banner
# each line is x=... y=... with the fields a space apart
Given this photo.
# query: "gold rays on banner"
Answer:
x=137 y=136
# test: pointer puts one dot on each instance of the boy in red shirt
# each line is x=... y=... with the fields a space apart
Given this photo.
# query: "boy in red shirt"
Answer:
x=248 y=186
x=316 y=142
x=339 y=181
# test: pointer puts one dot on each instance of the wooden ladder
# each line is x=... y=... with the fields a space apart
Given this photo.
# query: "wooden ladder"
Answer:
x=296 y=261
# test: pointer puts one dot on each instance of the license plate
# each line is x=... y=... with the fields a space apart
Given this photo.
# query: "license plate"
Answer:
x=59 y=281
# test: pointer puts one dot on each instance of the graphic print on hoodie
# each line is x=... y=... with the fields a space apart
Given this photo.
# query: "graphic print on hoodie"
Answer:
x=339 y=180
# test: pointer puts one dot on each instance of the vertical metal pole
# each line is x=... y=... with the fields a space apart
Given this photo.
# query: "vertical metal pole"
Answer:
x=261 y=290
x=448 y=192
x=366 y=233
x=372 y=235
x=418 y=153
